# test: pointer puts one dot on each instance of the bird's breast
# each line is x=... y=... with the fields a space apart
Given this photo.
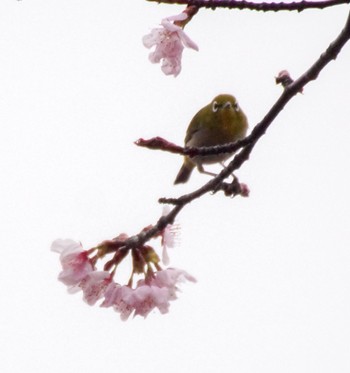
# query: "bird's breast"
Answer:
x=222 y=130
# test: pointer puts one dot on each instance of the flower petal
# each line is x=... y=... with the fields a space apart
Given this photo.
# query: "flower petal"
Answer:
x=66 y=246
x=94 y=285
x=178 y=17
x=189 y=43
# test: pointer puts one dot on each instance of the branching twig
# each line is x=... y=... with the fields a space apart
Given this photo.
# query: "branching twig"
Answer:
x=158 y=143
x=264 y=7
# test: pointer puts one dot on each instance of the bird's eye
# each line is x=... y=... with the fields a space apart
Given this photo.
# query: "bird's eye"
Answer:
x=236 y=106
x=215 y=106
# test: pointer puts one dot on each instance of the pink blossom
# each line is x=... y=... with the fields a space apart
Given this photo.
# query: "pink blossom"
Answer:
x=170 y=236
x=170 y=239
x=140 y=301
x=155 y=291
x=147 y=297
x=66 y=246
x=169 y=41
x=115 y=296
x=94 y=285
x=169 y=278
x=75 y=261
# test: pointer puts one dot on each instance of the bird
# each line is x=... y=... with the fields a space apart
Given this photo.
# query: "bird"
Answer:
x=220 y=122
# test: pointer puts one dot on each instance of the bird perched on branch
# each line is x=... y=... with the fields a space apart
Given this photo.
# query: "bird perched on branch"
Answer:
x=220 y=122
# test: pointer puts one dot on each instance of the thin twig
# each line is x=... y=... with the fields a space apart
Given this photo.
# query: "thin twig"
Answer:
x=264 y=7
x=158 y=143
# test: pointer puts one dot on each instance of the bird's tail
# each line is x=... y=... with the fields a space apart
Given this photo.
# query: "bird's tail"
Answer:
x=184 y=173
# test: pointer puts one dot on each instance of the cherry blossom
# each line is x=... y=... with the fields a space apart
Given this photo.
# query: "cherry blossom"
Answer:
x=94 y=285
x=169 y=42
x=149 y=294
x=147 y=297
x=170 y=236
x=140 y=301
x=74 y=260
x=116 y=296
x=154 y=291
x=169 y=278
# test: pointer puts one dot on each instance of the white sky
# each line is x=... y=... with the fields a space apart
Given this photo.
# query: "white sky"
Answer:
x=76 y=89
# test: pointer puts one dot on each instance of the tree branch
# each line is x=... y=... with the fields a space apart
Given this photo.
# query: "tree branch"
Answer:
x=158 y=143
x=264 y=7
x=247 y=144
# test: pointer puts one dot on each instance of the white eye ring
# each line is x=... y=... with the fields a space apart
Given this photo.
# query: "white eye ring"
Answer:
x=215 y=107
x=236 y=106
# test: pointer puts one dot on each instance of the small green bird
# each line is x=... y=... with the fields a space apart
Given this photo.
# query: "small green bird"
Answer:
x=220 y=122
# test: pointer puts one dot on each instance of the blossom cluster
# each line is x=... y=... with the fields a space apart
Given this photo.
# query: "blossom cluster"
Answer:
x=155 y=290
x=169 y=41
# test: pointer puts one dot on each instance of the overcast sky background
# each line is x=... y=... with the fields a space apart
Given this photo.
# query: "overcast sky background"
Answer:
x=76 y=90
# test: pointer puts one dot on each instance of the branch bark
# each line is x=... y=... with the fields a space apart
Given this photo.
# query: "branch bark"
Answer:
x=264 y=7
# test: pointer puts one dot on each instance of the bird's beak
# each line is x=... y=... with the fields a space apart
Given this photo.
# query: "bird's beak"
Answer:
x=227 y=105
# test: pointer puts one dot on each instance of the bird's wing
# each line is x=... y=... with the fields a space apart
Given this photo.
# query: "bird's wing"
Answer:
x=195 y=126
